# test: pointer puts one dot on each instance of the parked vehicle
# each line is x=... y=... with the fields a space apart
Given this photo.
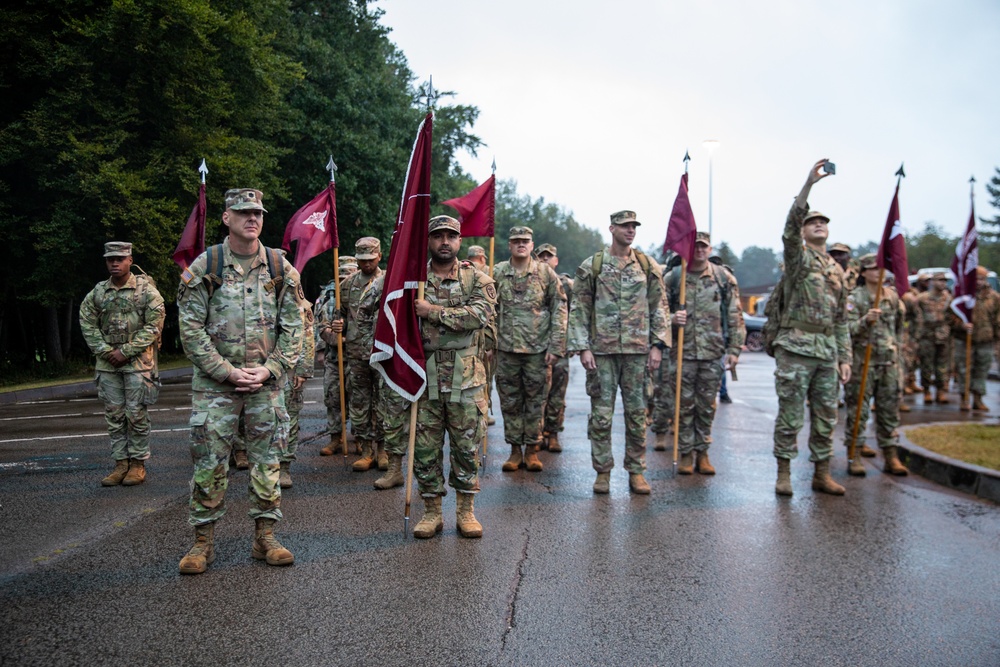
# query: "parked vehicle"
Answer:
x=755 y=340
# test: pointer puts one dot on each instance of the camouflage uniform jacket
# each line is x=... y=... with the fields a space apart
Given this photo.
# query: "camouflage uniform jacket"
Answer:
x=326 y=294
x=814 y=319
x=886 y=334
x=306 y=365
x=128 y=319
x=985 y=318
x=468 y=298
x=912 y=317
x=246 y=322
x=531 y=309
x=933 y=308
x=703 y=338
x=359 y=301
x=620 y=311
x=851 y=274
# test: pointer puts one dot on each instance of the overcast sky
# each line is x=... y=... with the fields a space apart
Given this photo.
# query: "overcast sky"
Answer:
x=591 y=105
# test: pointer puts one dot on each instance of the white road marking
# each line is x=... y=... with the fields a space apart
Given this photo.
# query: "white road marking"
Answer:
x=84 y=435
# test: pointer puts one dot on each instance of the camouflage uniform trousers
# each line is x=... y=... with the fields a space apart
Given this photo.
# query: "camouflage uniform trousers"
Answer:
x=331 y=396
x=883 y=384
x=362 y=389
x=214 y=424
x=555 y=396
x=465 y=422
x=700 y=381
x=982 y=357
x=934 y=362
x=663 y=395
x=911 y=358
x=490 y=361
x=627 y=371
x=126 y=397
x=294 y=400
x=796 y=378
x=394 y=416
x=521 y=381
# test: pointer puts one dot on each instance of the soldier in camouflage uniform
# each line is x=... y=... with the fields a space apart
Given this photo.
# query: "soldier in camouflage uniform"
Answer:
x=935 y=334
x=555 y=390
x=881 y=327
x=911 y=336
x=531 y=336
x=240 y=312
x=325 y=310
x=295 y=387
x=477 y=255
x=985 y=328
x=359 y=302
x=841 y=254
x=812 y=347
x=618 y=324
x=713 y=329
x=122 y=319
x=458 y=302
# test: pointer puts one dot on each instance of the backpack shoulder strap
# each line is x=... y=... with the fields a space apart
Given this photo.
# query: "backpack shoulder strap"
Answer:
x=643 y=261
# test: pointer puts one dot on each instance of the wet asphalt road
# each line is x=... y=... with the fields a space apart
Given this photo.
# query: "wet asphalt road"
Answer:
x=705 y=571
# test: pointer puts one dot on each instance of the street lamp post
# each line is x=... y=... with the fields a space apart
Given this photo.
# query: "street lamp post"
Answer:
x=711 y=145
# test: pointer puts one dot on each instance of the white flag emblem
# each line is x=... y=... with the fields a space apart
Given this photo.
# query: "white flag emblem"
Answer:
x=317 y=220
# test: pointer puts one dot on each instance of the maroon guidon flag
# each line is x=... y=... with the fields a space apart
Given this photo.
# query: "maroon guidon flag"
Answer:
x=964 y=267
x=681 y=229
x=398 y=354
x=892 y=249
x=477 y=210
x=313 y=227
x=192 y=241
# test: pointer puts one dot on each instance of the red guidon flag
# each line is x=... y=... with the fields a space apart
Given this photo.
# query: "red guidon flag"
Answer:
x=477 y=209
x=192 y=241
x=399 y=350
x=964 y=267
x=681 y=229
x=313 y=227
x=892 y=249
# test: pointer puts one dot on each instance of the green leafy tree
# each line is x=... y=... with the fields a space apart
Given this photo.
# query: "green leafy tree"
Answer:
x=930 y=247
x=758 y=267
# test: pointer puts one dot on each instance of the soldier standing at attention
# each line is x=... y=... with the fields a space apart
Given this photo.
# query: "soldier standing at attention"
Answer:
x=359 y=301
x=883 y=328
x=531 y=336
x=812 y=347
x=325 y=310
x=985 y=328
x=122 y=319
x=911 y=334
x=618 y=324
x=241 y=326
x=458 y=302
x=477 y=255
x=555 y=391
x=934 y=338
x=714 y=328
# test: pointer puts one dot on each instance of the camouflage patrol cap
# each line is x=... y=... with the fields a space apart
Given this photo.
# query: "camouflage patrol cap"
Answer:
x=939 y=275
x=245 y=199
x=703 y=237
x=982 y=271
x=521 y=233
x=367 y=247
x=117 y=249
x=476 y=251
x=348 y=265
x=546 y=247
x=624 y=217
x=869 y=261
x=840 y=247
x=814 y=214
x=443 y=222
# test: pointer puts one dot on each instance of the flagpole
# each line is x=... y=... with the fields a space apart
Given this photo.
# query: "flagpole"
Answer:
x=682 y=297
x=851 y=448
x=968 y=332
x=411 y=445
x=332 y=167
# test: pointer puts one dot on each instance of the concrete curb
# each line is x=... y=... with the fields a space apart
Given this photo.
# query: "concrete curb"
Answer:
x=73 y=389
x=958 y=475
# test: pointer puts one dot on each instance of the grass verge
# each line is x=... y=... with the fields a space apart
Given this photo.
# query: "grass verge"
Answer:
x=978 y=444
x=82 y=373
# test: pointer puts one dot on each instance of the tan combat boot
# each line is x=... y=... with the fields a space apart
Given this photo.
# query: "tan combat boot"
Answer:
x=638 y=484
x=367 y=459
x=531 y=460
x=867 y=451
x=554 y=444
x=686 y=465
x=661 y=442
x=903 y=407
x=333 y=447
x=431 y=522
x=942 y=397
x=977 y=403
x=893 y=465
x=468 y=526
x=603 y=483
x=267 y=547
x=855 y=467
x=381 y=456
x=285 y=474
x=117 y=474
x=823 y=482
x=783 y=487
x=242 y=462
x=514 y=462
x=136 y=473
x=202 y=554
x=927 y=396
x=704 y=465
x=393 y=476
